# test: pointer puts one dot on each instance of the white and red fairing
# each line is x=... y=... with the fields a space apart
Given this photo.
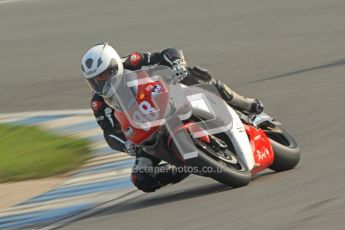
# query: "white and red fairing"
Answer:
x=251 y=144
x=145 y=99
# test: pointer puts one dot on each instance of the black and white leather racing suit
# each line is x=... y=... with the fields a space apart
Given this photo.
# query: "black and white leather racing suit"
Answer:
x=148 y=181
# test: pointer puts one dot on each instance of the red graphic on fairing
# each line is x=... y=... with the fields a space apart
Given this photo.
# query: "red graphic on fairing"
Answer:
x=187 y=126
x=151 y=97
x=262 y=149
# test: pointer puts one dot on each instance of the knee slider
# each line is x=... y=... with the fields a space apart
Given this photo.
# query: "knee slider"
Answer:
x=143 y=182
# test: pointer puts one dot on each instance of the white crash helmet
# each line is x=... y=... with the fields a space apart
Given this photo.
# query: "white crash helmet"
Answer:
x=99 y=61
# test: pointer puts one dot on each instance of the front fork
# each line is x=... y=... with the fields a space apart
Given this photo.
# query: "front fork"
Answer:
x=251 y=144
x=240 y=141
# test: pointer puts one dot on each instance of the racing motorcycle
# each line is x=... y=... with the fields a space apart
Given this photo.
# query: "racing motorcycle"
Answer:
x=193 y=128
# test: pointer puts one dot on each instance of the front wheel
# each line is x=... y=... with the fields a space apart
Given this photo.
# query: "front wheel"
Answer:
x=220 y=164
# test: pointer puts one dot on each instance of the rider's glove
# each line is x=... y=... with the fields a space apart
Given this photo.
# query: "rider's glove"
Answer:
x=179 y=68
x=131 y=149
x=256 y=106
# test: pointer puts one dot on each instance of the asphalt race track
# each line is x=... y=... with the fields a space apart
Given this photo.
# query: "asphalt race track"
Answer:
x=290 y=54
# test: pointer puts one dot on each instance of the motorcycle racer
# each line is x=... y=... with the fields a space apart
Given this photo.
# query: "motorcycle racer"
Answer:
x=101 y=62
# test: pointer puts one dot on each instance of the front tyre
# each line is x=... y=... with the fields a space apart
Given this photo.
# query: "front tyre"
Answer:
x=222 y=165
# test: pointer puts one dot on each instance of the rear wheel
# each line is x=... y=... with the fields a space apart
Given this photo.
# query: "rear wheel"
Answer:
x=285 y=148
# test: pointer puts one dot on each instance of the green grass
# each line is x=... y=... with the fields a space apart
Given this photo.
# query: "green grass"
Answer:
x=28 y=153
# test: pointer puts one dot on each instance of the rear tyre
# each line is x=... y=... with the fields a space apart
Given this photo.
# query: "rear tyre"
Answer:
x=285 y=148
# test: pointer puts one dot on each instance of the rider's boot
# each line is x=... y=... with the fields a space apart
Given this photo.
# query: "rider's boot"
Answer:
x=237 y=101
x=199 y=75
x=170 y=174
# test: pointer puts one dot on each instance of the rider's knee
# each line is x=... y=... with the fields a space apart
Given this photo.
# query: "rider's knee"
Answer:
x=144 y=182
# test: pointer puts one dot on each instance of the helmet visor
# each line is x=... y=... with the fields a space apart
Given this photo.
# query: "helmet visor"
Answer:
x=100 y=83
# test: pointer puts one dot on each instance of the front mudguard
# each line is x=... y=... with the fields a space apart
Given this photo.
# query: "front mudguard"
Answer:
x=261 y=147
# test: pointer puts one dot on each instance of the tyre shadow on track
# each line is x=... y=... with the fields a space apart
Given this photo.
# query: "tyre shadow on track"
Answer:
x=161 y=197
x=155 y=199
x=263 y=174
